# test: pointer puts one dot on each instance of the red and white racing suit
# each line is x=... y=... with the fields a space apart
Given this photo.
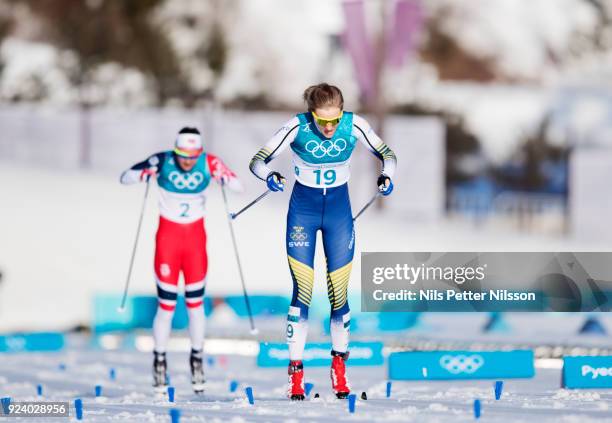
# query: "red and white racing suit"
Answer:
x=181 y=236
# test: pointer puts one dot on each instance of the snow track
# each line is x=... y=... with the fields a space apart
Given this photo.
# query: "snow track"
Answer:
x=130 y=396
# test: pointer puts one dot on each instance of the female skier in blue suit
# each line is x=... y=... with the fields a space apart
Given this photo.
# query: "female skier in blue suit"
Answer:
x=322 y=141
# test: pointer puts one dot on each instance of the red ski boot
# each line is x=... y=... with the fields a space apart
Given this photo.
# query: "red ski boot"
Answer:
x=340 y=383
x=295 y=389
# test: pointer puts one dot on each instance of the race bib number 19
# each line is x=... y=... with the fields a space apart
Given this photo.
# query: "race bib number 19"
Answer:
x=327 y=177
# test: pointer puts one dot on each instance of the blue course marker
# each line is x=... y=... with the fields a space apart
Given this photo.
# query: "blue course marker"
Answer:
x=308 y=387
x=351 y=402
x=233 y=386
x=211 y=361
x=61 y=367
x=175 y=415
x=6 y=401
x=39 y=390
x=593 y=327
x=477 y=408
x=249 y=393
x=171 y=393
x=499 y=387
x=98 y=390
x=78 y=408
x=389 y=389
x=112 y=374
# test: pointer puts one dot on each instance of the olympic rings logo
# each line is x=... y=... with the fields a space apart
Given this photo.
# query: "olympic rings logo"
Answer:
x=326 y=147
x=456 y=364
x=189 y=181
x=298 y=236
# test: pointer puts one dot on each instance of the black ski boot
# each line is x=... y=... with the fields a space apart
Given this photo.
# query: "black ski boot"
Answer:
x=197 y=371
x=160 y=367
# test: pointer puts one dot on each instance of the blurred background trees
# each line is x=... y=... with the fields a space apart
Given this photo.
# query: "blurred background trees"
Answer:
x=490 y=71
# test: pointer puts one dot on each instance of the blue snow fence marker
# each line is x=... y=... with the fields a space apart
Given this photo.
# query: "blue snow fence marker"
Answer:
x=496 y=323
x=388 y=389
x=249 y=393
x=112 y=374
x=593 y=326
x=587 y=372
x=171 y=393
x=233 y=386
x=351 y=402
x=477 y=408
x=308 y=387
x=78 y=408
x=175 y=415
x=210 y=361
x=318 y=355
x=261 y=305
x=39 y=390
x=456 y=365
x=6 y=401
x=499 y=387
x=98 y=390
x=36 y=341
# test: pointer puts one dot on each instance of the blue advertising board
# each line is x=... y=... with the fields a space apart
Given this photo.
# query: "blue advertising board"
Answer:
x=36 y=341
x=448 y=365
x=361 y=354
x=140 y=310
x=587 y=372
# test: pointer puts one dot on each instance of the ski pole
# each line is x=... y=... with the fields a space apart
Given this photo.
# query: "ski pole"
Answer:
x=368 y=204
x=252 y=203
x=121 y=308
x=244 y=291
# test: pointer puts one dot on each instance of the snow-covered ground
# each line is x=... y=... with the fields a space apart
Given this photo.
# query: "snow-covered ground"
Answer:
x=65 y=235
x=130 y=397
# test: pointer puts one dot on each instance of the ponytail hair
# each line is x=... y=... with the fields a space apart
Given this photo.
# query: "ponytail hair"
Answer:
x=323 y=95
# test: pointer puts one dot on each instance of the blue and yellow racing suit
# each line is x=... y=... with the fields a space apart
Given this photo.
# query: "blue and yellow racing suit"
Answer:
x=320 y=202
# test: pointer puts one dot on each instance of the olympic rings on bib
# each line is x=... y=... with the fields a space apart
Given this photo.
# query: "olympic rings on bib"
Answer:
x=183 y=180
x=456 y=364
x=320 y=149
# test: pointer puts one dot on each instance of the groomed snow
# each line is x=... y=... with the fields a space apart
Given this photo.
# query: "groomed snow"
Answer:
x=130 y=397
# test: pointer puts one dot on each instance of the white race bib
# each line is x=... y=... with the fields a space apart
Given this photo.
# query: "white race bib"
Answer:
x=324 y=175
x=181 y=208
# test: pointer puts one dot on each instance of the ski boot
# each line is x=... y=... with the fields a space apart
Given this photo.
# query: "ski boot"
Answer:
x=340 y=383
x=160 y=377
x=295 y=390
x=197 y=371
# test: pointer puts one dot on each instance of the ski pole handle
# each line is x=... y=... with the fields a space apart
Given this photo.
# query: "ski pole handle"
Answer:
x=248 y=206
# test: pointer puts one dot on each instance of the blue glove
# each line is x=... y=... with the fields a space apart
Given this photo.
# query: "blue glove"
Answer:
x=385 y=185
x=275 y=182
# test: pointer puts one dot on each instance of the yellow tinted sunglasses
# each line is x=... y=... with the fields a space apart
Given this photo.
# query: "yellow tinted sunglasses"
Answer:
x=323 y=122
x=187 y=154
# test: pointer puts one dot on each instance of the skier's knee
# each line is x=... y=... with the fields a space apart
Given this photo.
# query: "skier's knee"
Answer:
x=194 y=294
x=166 y=296
x=341 y=316
x=297 y=312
